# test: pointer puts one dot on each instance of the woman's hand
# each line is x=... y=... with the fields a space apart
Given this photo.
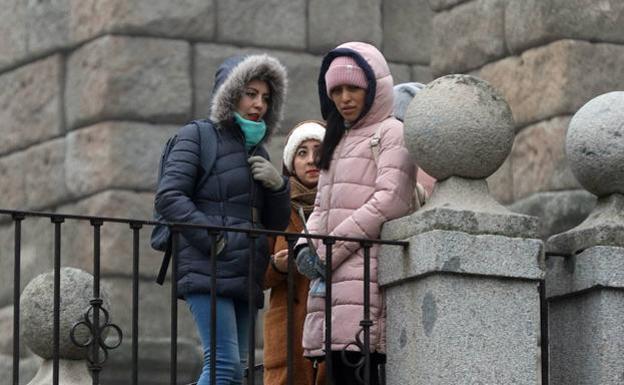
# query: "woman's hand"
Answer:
x=280 y=261
x=264 y=172
x=309 y=264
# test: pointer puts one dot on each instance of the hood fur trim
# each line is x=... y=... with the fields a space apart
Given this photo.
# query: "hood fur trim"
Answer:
x=263 y=67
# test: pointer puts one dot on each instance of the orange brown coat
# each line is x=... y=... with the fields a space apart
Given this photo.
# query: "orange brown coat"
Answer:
x=275 y=322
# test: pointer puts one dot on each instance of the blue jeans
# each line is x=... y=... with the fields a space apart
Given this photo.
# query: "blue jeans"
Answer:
x=233 y=322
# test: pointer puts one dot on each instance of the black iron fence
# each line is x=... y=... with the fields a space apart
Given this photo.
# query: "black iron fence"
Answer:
x=96 y=318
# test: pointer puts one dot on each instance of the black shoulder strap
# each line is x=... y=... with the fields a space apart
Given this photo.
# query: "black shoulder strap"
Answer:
x=208 y=146
x=160 y=279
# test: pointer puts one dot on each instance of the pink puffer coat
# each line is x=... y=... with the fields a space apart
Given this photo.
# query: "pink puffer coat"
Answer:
x=355 y=197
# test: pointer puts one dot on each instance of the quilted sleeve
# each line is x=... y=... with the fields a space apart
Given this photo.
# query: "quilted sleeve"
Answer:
x=394 y=187
x=177 y=185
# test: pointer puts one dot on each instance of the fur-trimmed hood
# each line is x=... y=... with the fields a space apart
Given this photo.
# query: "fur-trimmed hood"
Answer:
x=230 y=80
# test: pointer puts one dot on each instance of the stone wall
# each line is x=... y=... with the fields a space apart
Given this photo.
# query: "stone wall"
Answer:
x=548 y=58
x=90 y=90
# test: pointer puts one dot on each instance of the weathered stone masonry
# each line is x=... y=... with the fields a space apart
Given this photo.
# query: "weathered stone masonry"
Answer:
x=548 y=58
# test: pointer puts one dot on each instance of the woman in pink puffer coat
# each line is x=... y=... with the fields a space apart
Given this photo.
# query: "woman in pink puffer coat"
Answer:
x=359 y=189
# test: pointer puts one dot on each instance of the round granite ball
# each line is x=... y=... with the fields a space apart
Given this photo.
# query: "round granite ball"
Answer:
x=595 y=144
x=459 y=125
x=37 y=305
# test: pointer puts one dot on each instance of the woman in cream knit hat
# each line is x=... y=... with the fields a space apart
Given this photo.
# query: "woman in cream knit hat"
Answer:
x=299 y=164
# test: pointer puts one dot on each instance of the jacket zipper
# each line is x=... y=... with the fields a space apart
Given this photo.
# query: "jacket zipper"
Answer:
x=252 y=182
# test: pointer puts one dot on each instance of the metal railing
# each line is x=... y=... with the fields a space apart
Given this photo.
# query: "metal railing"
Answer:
x=97 y=346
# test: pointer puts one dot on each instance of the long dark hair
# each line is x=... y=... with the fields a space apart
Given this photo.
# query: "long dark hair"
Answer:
x=333 y=134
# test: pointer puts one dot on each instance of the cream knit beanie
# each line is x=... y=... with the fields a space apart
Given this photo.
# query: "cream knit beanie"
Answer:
x=307 y=130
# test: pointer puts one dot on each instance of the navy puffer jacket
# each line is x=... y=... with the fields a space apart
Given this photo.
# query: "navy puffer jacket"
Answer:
x=227 y=195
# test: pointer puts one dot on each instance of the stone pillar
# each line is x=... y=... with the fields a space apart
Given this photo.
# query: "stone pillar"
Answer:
x=463 y=301
x=585 y=276
x=37 y=303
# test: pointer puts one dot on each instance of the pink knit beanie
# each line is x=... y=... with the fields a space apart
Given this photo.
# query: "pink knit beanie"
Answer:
x=344 y=70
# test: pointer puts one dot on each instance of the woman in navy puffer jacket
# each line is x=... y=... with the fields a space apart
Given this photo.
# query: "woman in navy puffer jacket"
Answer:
x=242 y=190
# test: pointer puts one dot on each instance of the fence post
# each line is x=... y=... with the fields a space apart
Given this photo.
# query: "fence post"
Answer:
x=585 y=276
x=37 y=308
x=462 y=301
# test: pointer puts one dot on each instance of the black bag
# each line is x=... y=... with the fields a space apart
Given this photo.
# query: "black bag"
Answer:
x=161 y=234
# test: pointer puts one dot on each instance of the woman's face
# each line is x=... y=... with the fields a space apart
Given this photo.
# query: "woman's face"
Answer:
x=349 y=101
x=304 y=163
x=255 y=100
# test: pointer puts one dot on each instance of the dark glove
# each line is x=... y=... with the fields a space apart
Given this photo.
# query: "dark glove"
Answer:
x=264 y=172
x=309 y=264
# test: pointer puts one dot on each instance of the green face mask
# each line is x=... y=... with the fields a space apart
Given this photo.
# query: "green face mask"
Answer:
x=253 y=131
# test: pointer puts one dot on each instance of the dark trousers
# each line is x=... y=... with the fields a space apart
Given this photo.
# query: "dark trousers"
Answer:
x=346 y=374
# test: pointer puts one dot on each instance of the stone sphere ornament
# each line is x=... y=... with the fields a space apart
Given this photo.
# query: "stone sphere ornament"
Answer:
x=595 y=144
x=459 y=125
x=37 y=304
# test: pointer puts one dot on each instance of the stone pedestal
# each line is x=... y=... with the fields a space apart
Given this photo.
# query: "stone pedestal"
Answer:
x=462 y=308
x=71 y=372
x=585 y=296
x=585 y=278
x=463 y=304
